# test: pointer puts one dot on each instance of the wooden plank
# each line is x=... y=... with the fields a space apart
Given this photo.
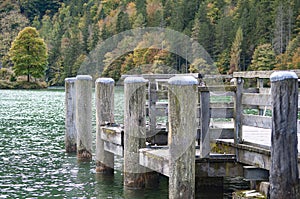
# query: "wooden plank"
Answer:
x=112 y=134
x=257 y=121
x=218 y=133
x=155 y=159
x=256 y=99
x=217 y=88
x=221 y=93
x=221 y=113
x=265 y=90
x=221 y=105
x=113 y=148
x=250 y=90
x=217 y=76
x=258 y=74
x=247 y=154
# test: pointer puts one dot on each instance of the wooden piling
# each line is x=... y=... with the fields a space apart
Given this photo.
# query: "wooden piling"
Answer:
x=135 y=176
x=238 y=108
x=152 y=98
x=182 y=134
x=70 y=134
x=83 y=116
x=104 y=116
x=204 y=123
x=260 y=85
x=284 y=165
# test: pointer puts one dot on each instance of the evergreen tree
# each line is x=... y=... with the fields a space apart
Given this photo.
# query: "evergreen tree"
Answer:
x=236 y=51
x=11 y=24
x=263 y=58
x=29 y=54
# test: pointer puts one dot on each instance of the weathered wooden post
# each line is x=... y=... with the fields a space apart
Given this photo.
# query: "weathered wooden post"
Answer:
x=152 y=98
x=238 y=108
x=104 y=114
x=83 y=116
x=260 y=85
x=204 y=122
x=284 y=163
x=70 y=134
x=182 y=134
x=135 y=176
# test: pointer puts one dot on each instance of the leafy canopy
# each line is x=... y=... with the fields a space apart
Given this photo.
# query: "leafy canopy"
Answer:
x=29 y=54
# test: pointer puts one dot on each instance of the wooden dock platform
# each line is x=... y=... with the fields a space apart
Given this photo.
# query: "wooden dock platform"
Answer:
x=205 y=135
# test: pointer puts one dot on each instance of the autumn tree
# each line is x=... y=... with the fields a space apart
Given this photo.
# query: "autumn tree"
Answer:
x=29 y=54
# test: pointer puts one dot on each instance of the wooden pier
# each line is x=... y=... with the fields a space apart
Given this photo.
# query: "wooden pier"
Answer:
x=239 y=144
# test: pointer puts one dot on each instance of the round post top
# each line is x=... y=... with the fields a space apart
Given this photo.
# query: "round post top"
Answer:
x=132 y=80
x=70 y=79
x=283 y=75
x=183 y=80
x=84 y=77
x=105 y=80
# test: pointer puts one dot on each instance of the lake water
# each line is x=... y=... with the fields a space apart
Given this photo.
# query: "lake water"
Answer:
x=33 y=163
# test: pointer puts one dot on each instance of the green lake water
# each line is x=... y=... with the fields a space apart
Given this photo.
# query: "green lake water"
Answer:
x=33 y=163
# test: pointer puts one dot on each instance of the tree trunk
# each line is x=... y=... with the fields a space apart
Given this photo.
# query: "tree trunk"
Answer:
x=28 y=77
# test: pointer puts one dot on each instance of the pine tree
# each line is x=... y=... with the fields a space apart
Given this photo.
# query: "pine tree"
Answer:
x=236 y=51
x=29 y=54
x=263 y=58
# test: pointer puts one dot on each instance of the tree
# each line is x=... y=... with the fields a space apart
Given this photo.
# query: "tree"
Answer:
x=263 y=58
x=236 y=51
x=11 y=24
x=29 y=54
x=283 y=28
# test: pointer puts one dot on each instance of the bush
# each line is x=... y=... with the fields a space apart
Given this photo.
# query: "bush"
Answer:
x=3 y=73
x=22 y=85
x=12 y=78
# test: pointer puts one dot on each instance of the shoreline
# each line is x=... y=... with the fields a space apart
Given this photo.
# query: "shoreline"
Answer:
x=22 y=85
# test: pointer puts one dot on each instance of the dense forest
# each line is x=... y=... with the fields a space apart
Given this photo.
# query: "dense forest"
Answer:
x=238 y=34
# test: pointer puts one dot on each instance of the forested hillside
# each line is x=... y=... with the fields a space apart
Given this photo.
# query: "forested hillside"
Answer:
x=238 y=34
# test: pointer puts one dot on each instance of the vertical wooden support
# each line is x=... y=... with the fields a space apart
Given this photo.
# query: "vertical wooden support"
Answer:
x=104 y=114
x=260 y=84
x=204 y=123
x=238 y=108
x=70 y=134
x=182 y=134
x=152 y=107
x=135 y=176
x=83 y=116
x=284 y=163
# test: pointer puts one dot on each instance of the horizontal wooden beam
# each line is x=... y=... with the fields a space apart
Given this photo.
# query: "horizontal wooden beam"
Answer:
x=221 y=104
x=221 y=133
x=218 y=133
x=218 y=112
x=217 y=88
x=222 y=93
x=257 y=121
x=258 y=74
x=112 y=134
x=155 y=159
x=221 y=112
x=256 y=99
x=114 y=148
